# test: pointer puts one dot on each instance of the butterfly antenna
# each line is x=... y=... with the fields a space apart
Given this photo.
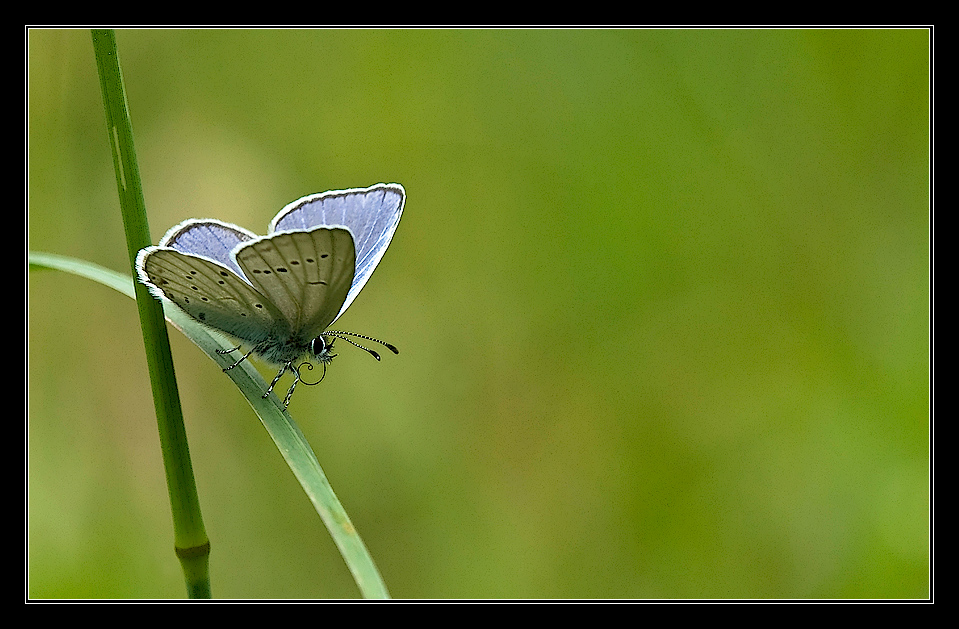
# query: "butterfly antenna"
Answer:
x=345 y=336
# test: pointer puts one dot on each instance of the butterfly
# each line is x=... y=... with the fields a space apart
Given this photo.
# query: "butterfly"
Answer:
x=279 y=293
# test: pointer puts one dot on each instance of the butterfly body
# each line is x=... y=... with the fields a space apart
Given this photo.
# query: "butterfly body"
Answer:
x=278 y=293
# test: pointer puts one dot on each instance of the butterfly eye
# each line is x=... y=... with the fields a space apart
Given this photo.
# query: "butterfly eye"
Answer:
x=320 y=348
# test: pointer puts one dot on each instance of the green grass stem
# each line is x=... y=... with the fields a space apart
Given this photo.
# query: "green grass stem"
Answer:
x=190 y=540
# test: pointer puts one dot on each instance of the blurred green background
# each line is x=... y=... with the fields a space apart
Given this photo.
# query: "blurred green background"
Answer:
x=661 y=296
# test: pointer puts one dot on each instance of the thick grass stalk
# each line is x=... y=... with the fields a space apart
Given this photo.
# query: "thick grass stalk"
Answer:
x=191 y=544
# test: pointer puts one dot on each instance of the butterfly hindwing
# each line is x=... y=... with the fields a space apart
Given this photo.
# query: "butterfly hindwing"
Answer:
x=207 y=238
x=305 y=274
x=210 y=293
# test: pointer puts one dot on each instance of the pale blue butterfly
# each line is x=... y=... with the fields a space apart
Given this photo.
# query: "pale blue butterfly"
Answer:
x=279 y=293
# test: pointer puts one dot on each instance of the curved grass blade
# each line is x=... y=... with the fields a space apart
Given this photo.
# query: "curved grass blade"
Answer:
x=285 y=433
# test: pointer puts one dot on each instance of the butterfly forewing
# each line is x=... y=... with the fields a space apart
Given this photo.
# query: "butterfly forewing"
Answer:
x=305 y=274
x=371 y=214
x=211 y=294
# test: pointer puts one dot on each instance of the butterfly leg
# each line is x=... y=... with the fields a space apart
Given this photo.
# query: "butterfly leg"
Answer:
x=275 y=380
x=296 y=379
x=227 y=351
x=242 y=358
x=289 y=394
